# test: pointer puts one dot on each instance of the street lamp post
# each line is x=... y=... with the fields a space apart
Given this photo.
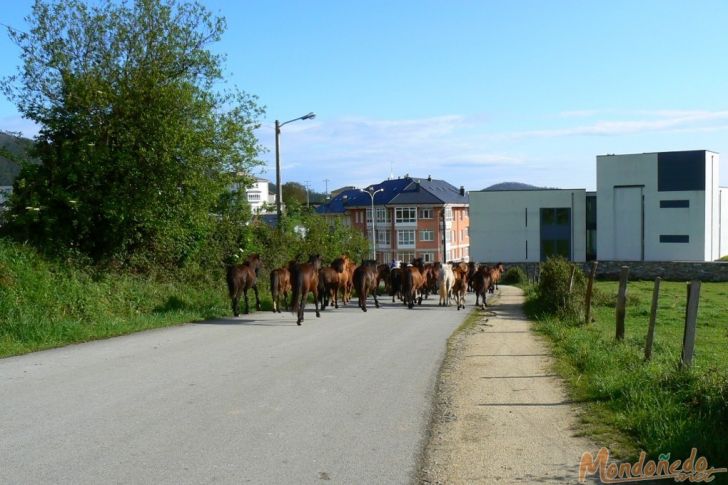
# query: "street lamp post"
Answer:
x=279 y=188
x=372 y=193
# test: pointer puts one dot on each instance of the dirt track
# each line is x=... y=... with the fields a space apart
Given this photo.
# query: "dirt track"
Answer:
x=502 y=416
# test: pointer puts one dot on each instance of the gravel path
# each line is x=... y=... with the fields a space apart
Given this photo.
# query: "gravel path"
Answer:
x=502 y=417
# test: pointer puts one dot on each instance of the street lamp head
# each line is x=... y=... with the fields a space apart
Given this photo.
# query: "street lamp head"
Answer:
x=279 y=195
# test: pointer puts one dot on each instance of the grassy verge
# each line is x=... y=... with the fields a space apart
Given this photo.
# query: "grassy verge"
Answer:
x=631 y=404
x=46 y=304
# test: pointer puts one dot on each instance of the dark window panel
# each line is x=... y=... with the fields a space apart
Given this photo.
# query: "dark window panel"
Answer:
x=665 y=204
x=674 y=238
x=562 y=216
x=547 y=217
x=680 y=171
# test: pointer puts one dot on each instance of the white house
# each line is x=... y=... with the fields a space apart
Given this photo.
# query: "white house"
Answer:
x=662 y=206
x=528 y=225
x=258 y=195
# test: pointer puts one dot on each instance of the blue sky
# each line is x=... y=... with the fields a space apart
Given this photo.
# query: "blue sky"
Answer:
x=472 y=92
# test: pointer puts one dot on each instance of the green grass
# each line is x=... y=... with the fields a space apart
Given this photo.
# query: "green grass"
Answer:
x=46 y=304
x=631 y=404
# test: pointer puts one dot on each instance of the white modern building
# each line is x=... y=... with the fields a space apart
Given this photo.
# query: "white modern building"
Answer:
x=664 y=206
x=660 y=207
x=528 y=225
x=259 y=196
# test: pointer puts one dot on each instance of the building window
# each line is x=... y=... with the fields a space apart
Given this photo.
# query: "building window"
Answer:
x=591 y=227
x=680 y=171
x=448 y=236
x=369 y=216
x=428 y=257
x=253 y=197
x=382 y=215
x=427 y=235
x=426 y=213
x=383 y=237
x=406 y=256
x=466 y=252
x=666 y=204
x=674 y=238
x=448 y=213
x=405 y=215
x=555 y=247
x=555 y=232
x=405 y=238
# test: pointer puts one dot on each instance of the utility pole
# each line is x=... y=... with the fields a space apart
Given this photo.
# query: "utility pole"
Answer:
x=326 y=181
x=307 y=183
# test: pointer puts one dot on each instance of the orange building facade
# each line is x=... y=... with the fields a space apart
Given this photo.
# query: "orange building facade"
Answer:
x=413 y=218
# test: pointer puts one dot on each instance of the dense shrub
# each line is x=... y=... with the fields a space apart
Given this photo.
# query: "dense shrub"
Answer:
x=515 y=276
x=554 y=294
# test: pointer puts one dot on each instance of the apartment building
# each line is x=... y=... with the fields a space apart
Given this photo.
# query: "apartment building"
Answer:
x=412 y=218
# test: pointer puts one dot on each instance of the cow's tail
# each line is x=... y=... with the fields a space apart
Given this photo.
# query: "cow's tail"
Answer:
x=231 y=281
x=408 y=287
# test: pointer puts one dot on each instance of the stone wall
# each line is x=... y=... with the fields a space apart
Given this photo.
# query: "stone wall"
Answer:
x=647 y=270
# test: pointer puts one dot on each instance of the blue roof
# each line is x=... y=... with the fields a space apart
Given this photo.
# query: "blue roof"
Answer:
x=430 y=191
x=406 y=190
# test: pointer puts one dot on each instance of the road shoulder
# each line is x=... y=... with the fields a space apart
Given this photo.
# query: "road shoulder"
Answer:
x=500 y=415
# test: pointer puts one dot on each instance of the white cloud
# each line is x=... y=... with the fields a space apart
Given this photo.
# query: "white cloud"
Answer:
x=476 y=151
x=662 y=120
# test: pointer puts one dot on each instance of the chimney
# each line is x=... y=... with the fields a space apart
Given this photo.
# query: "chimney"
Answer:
x=462 y=190
x=429 y=178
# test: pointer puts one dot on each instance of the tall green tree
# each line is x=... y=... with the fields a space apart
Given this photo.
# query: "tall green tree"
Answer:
x=137 y=141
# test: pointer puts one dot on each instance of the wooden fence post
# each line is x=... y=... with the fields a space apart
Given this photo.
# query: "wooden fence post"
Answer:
x=571 y=278
x=588 y=298
x=621 y=302
x=653 y=317
x=691 y=320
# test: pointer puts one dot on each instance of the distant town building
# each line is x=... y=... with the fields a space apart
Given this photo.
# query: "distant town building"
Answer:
x=664 y=206
x=260 y=198
x=528 y=225
x=661 y=207
x=414 y=217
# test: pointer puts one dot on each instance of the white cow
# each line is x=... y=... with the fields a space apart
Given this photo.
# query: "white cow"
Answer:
x=444 y=285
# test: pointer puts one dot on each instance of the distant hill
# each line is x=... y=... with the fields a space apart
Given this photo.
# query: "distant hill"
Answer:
x=514 y=186
x=12 y=149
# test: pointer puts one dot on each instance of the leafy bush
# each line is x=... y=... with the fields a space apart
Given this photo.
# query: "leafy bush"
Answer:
x=135 y=150
x=554 y=295
x=515 y=276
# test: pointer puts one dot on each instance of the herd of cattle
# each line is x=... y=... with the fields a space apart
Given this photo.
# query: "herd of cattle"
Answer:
x=336 y=283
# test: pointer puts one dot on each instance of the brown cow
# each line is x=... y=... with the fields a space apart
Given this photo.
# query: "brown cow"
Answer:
x=241 y=278
x=280 y=286
x=365 y=281
x=329 y=287
x=304 y=279
x=413 y=280
x=481 y=283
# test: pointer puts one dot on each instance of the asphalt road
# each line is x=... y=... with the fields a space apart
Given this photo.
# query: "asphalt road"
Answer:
x=342 y=399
